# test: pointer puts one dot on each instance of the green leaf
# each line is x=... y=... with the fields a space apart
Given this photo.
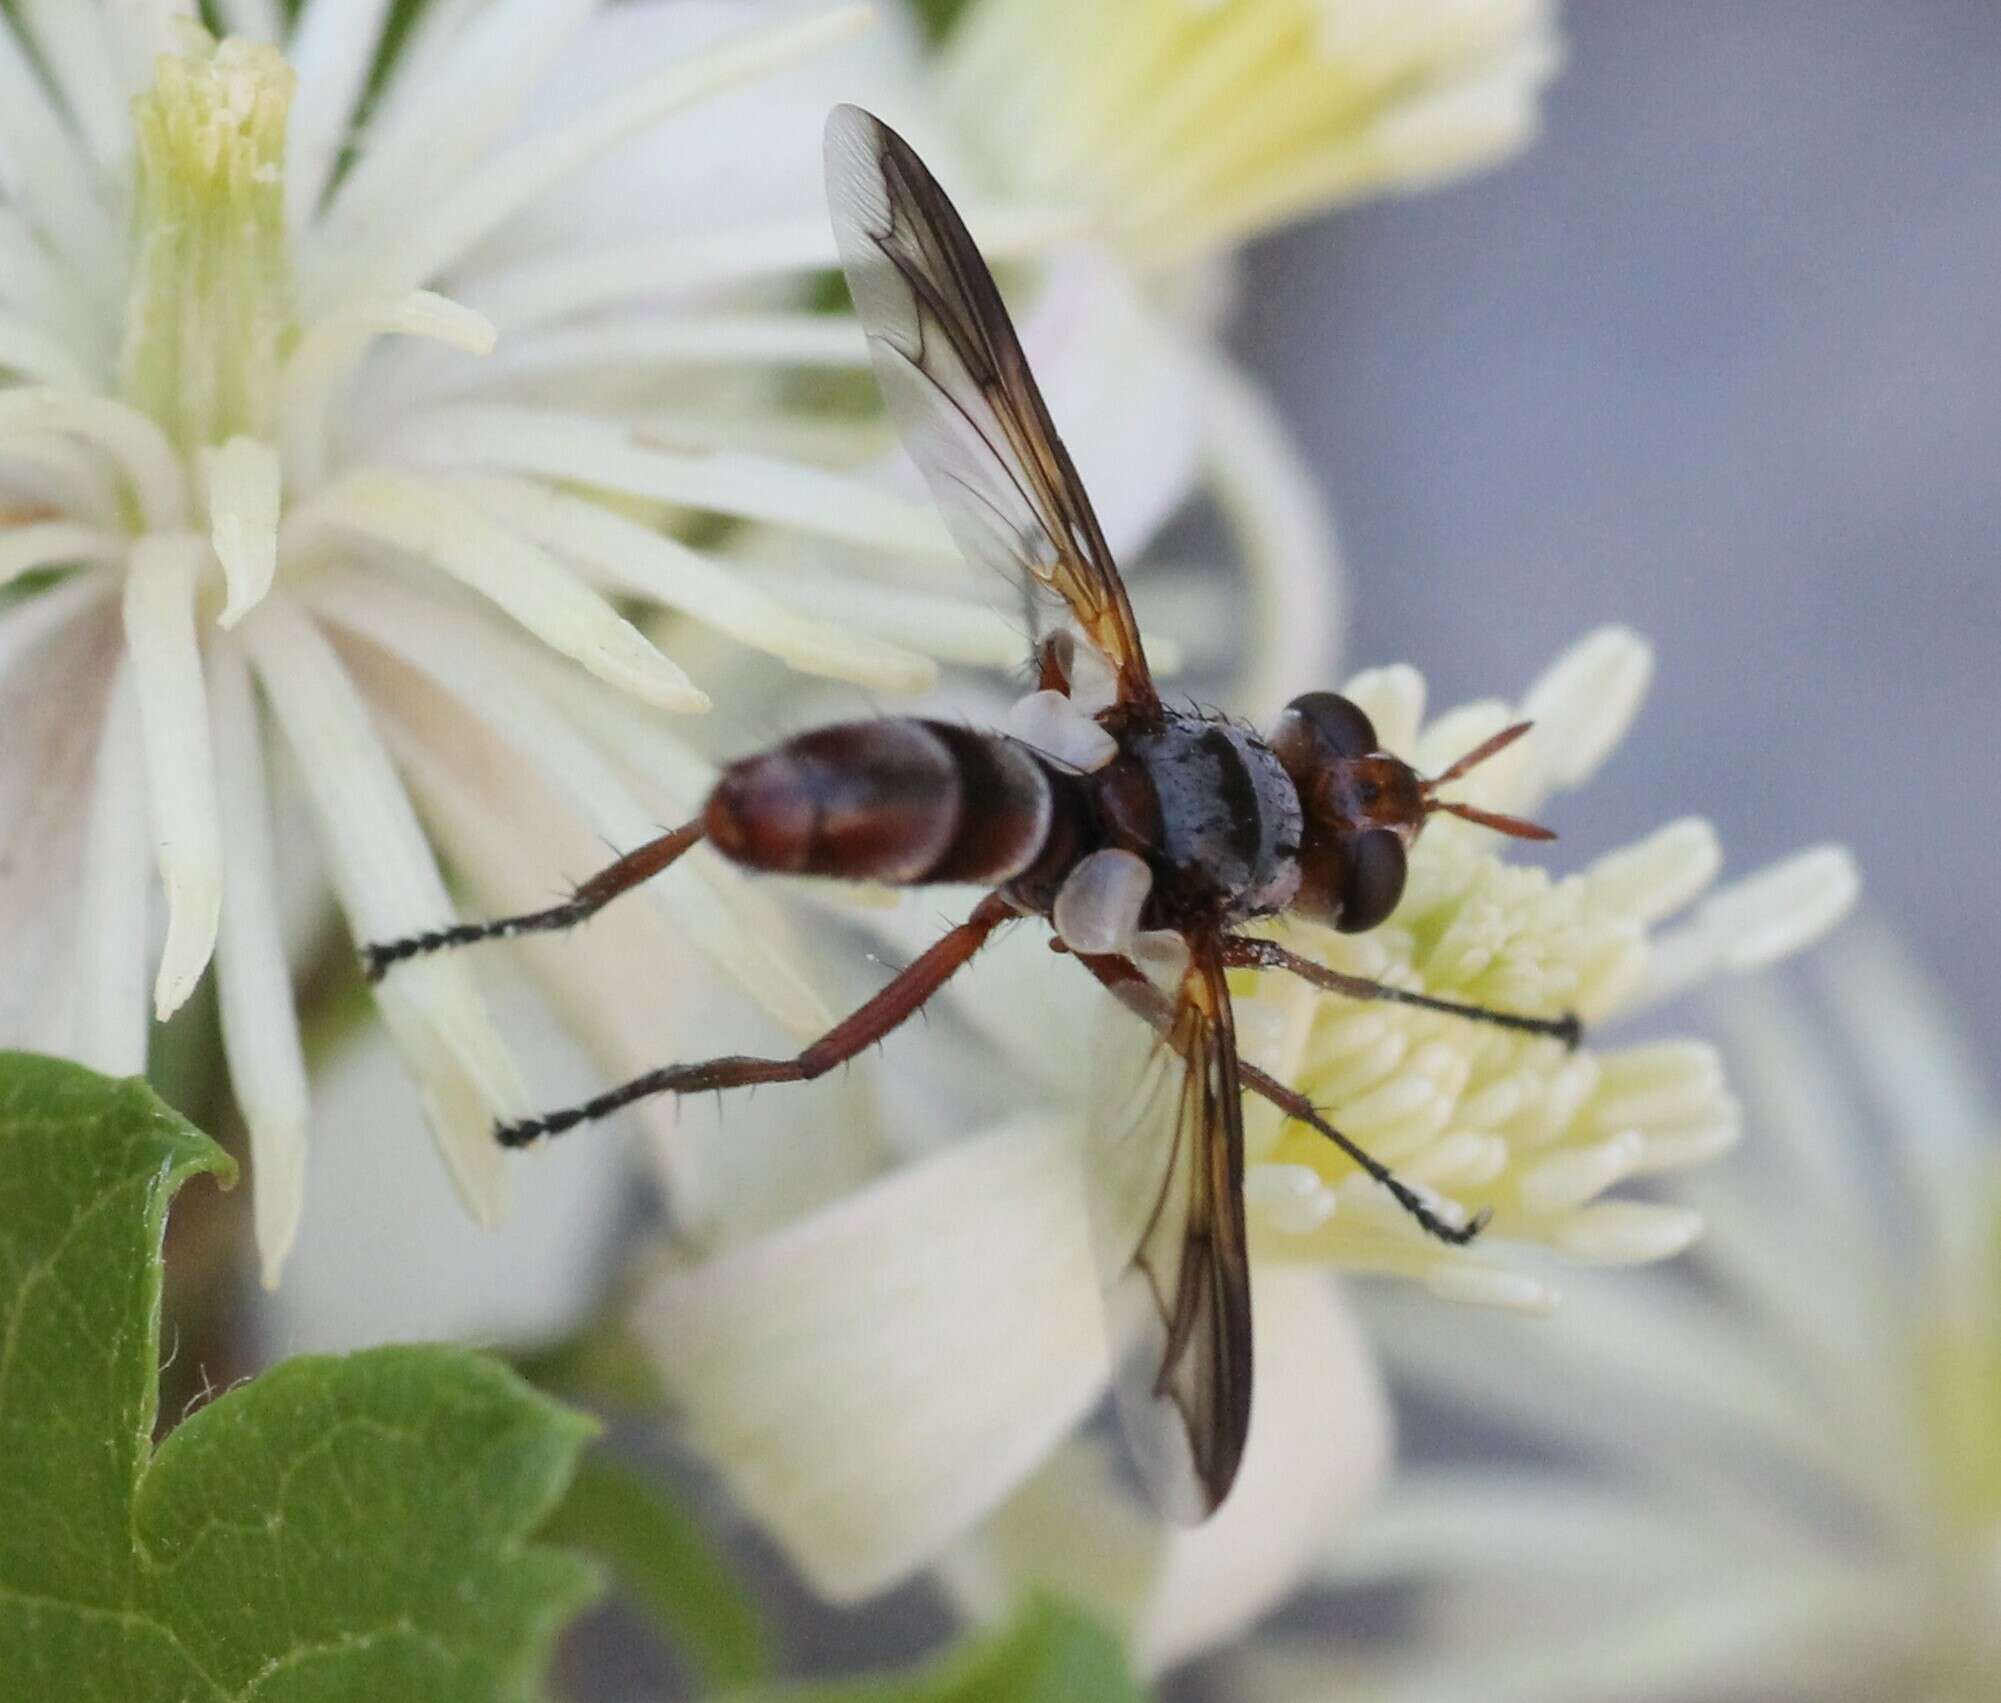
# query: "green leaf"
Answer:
x=660 y=1556
x=338 y=1528
x=1049 y=1653
x=938 y=16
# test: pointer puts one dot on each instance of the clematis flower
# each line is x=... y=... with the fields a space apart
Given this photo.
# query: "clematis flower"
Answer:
x=1773 y=1475
x=259 y=515
x=888 y=1381
x=1197 y=126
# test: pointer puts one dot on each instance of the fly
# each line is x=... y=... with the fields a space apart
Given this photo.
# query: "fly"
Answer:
x=1145 y=835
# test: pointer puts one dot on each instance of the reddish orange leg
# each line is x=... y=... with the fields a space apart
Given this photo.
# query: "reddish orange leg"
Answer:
x=869 y=1023
x=1137 y=994
x=641 y=864
x=1241 y=952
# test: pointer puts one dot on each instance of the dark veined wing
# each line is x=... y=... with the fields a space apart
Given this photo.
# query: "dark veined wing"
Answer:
x=1164 y=1166
x=959 y=389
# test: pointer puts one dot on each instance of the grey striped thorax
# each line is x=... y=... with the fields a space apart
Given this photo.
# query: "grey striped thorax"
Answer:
x=1229 y=815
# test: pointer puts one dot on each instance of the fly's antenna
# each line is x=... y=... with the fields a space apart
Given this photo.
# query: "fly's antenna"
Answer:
x=1513 y=826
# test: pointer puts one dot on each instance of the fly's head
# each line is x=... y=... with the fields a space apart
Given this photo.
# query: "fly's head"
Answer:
x=1363 y=808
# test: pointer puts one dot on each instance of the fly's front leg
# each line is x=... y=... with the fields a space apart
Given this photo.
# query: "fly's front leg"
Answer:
x=1241 y=952
x=894 y=1004
x=1129 y=984
x=641 y=864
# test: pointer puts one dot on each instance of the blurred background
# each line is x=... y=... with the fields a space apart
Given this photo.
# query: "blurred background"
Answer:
x=1719 y=357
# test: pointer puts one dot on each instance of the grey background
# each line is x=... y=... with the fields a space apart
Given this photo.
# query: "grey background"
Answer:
x=1718 y=357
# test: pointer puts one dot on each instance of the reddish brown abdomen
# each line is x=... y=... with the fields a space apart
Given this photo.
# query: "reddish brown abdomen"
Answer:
x=894 y=800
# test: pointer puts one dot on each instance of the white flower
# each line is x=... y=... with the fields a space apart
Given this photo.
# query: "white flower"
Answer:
x=877 y=1377
x=244 y=494
x=1196 y=124
x=1774 y=1474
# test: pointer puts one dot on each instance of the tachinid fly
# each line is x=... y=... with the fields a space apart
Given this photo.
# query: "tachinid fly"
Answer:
x=1145 y=835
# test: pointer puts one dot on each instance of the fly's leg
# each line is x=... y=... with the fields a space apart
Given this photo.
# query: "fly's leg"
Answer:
x=894 y=1004
x=1240 y=952
x=641 y=864
x=1295 y=1105
x=1133 y=990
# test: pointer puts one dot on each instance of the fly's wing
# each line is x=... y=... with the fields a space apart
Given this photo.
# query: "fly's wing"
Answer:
x=959 y=389
x=1164 y=1179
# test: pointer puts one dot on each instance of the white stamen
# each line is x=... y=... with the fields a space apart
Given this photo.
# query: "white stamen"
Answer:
x=253 y=20
x=129 y=437
x=1479 y=1285
x=260 y=1029
x=459 y=80
x=331 y=47
x=647 y=563
x=1393 y=700
x=1627 y=1232
x=522 y=579
x=72 y=42
x=244 y=500
x=523 y=174
x=54 y=544
x=1293 y=1199
x=329 y=352
x=557 y=286
x=1582 y=706
x=180 y=769
x=1758 y=920
x=952 y=629
x=1568 y=1179
x=389 y=886
x=456 y=653
x=634 y=345
x=609 y=457
x=43 y=174
x=34 y=352
x=108 y=1025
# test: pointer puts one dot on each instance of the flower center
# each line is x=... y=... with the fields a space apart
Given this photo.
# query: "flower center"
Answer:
x=209 y=316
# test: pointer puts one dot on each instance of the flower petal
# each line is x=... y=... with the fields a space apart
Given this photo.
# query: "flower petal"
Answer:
x=131 y=439
x=108 y=1021
x=873 y=1379
x=525 y=581
x=244 y=496
x=644 y=562
x=332 y=46
x=514 y=178
x=166 y=669
x=1581 y=705
x=55 y=668
x=330 y=349
x=389 y=886
x=456 y=653
x=1319 y=1446
x=260 y=1028
x=607 y=456
x=54 y=543
x=1756 y=921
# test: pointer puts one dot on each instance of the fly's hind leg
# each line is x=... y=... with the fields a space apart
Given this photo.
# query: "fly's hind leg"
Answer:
x=638 y=865
x=1241 y=952
x=1130 y=986
x=863 y=1027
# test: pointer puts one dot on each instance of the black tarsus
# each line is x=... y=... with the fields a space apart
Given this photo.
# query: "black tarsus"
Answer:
x=1242 y=952
x=1129 y=985
x=640 y=864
